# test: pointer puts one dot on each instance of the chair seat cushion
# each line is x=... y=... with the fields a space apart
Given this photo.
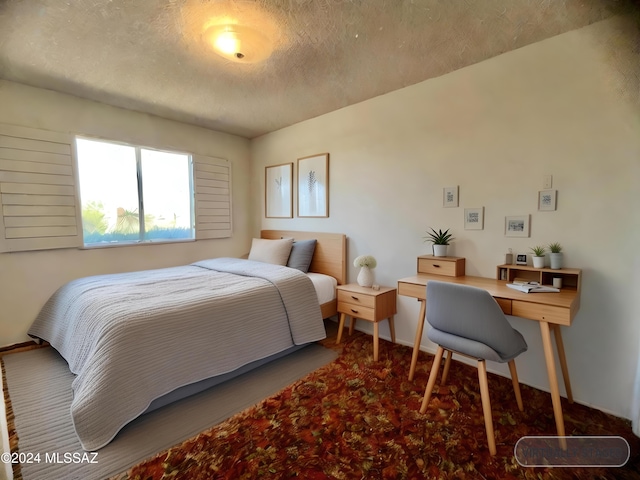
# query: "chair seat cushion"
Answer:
x=477 y=349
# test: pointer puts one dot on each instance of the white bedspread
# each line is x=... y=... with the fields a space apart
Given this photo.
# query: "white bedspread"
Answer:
x=131 y=338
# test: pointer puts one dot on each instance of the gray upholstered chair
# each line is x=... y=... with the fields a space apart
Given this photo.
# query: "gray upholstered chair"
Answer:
x=467 y=320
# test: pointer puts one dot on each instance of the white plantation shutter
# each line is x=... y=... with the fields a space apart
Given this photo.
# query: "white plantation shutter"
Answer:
x=37 y=190
x=212 y=186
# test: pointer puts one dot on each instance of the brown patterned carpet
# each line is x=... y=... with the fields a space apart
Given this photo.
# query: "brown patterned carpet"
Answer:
x=356 y=418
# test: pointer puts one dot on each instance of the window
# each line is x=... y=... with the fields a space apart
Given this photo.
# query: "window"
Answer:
x=131 y=194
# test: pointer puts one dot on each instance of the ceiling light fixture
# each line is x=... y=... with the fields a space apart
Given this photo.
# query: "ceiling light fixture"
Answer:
x=238 y=43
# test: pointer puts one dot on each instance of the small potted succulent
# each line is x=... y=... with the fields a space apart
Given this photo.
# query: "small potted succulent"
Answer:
x=538 y=256
x=440 y=241
x=555 y=255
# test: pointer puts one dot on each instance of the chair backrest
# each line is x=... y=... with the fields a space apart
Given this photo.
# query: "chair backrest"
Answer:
x=472 y=313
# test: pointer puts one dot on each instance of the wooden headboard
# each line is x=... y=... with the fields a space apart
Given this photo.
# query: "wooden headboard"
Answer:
x=330 y=256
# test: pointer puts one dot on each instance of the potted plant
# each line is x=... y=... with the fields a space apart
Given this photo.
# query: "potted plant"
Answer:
x=440 y=241
x=555 y=255
x=538 y=256
x=366 y=263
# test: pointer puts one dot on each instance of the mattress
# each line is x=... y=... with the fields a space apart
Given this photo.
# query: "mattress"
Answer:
x=325 y=286
x=131 y=338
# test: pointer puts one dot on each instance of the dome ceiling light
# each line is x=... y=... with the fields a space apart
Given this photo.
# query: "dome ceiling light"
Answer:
x=238 y=43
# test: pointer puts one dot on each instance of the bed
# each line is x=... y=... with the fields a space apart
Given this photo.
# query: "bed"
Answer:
x=140 y=340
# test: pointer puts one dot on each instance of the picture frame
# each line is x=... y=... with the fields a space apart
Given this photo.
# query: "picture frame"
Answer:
x=278 y=191
x=517 y=226
x=521 y=259
x=450 y=197
x=547 y=200
x=474 y=218
x=313 y=186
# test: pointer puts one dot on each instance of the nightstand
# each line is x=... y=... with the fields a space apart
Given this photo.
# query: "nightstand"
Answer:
x=367 y=304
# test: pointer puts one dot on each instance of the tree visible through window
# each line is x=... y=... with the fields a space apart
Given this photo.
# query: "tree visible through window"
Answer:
x=133 y=194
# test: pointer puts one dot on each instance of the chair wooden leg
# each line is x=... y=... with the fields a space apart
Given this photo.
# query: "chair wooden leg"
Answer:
x=447 y=365
x=486 y=405
x=516 y=384
x=432 y=379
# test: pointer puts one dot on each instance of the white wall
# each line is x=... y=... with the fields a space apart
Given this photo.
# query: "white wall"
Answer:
x=557 y=107
x=27 y=279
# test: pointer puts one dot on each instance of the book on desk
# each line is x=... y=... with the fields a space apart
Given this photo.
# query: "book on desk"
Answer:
x=530 y=287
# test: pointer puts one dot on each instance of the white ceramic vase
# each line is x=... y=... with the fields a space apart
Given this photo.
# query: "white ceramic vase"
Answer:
x=440 y=250
x=538 y=262
x=365 y=277
x=555 y=259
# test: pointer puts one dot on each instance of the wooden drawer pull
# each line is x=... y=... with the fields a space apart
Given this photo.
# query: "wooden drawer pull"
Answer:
x=435 y=266
x=354 y=311
x=354 y=297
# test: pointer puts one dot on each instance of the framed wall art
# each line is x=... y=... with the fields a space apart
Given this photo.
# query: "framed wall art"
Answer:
x=450 y=196
x=313 y=186
x=547 y=200
x=474 y=218
x=517 y=226
x=278 y=191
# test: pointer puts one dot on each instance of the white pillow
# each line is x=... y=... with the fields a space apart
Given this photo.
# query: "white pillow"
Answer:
x=271 y=251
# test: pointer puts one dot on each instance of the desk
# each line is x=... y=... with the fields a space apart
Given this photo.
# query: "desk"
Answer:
x=550 y=310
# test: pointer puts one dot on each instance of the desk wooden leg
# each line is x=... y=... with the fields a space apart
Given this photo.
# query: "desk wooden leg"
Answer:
x=376 y=341
x=340 y=327
x=416 y=343
x=553 y=382
x=563 y=361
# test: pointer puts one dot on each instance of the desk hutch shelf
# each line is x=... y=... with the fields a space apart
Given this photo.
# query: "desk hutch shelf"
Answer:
x=571 y=277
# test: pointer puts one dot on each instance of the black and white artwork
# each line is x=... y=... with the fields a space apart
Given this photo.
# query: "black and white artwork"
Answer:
x=278 y=191
x=474 y=218
x=450 y=196
x=517 y=226
x=547 y=200
x=313 y=186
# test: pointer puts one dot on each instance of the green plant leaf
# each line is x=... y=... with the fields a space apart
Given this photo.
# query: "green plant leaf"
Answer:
x=439 y=237
x=538 y=251
x=555 y=247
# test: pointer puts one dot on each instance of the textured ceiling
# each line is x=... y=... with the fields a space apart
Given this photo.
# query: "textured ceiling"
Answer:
x=150 y=55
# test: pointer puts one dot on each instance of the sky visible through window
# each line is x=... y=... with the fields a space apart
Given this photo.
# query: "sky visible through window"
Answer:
x=109 y=191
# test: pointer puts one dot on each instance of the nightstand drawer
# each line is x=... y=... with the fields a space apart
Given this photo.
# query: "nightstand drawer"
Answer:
x=358 y=311
x=356 y=299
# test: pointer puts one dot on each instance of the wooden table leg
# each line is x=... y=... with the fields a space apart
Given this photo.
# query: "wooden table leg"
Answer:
x=352 y=325
x=392 y=329
x=376 y=341
x=416 y=343
x=553 y=382
x=340 y=327
x=563 y=361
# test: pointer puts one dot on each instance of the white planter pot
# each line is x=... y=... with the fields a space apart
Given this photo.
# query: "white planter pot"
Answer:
x=538 y=262
x=556 y=260
x=440 y=250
